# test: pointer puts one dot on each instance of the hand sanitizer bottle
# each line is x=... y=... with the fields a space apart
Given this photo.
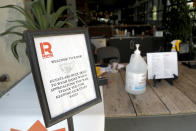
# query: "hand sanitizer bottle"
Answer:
x=136 y=72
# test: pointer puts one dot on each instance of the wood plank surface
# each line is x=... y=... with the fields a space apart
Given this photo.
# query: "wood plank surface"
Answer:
x=186 y=83
x=147 y=104
x=164 y=100
x=116 y=101
x=187 y=72
x=174 y=99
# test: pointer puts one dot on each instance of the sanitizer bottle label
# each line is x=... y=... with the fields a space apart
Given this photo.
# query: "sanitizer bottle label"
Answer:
x=135 y=81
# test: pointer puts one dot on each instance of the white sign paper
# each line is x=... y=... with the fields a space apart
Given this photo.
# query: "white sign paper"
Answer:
x=162 y=65
x=66 y=72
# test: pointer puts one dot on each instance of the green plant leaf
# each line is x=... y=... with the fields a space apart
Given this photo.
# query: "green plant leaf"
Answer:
x=29 y=4
x=22 y=11
x=60 y=24
x=18 y=8
x=49 y=6
x=46 y=21
x=69 y=24
x=14 y=47
x=37 y=12
x=42 y=3
x=37 y=9
x=10 y=29
x=16 y=33
x=37 y=16
x=24 y=23
x=50 y=19
x=58 y=14
x=83 y=22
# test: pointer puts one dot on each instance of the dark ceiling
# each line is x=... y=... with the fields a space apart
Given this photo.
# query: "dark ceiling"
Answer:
x=112 y=3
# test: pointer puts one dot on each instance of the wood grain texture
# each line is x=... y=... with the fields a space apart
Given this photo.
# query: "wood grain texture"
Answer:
x=174 y=99
x=164 y=100
x=186 y=83
x=116 y=101
x=147 y=104
x=187 y=72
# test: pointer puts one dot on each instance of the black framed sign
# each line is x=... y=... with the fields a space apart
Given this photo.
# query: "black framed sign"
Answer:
x=63 y=71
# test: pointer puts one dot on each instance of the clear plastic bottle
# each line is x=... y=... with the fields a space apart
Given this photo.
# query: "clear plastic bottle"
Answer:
x=133 y=32
x=136 y=72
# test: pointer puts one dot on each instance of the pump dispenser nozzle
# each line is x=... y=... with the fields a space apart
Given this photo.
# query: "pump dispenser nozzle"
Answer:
x=137 y=51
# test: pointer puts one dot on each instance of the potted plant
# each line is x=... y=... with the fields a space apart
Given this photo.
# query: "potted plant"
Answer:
x=179 y=25
x=38 y=16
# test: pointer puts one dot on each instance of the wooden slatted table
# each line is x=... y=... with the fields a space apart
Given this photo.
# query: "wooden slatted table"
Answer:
x=166 y=99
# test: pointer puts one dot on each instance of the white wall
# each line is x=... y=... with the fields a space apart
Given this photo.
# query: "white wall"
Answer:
x=8 y=64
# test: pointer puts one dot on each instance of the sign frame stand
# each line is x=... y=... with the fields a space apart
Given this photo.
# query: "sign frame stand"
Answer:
x=70 y=123
x=46 y=46
x=101 y=81
x=169 y=80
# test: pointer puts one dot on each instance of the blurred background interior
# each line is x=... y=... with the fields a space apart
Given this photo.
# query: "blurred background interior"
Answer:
x=111 y=23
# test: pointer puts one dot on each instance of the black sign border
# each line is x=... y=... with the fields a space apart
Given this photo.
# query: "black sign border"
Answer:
x=29 y=36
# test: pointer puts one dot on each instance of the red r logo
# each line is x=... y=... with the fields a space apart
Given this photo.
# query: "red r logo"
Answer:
x=46 y=50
